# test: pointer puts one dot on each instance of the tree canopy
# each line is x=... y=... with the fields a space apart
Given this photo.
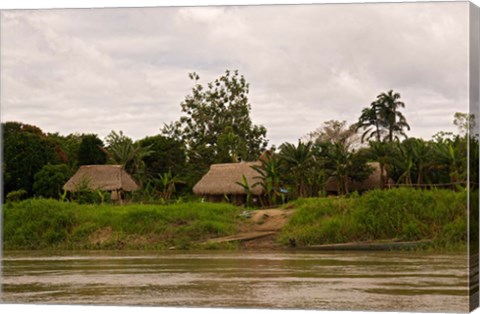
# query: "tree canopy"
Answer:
x=383 y=120
x=26 y=149
x=91 y=151
x=216 y=125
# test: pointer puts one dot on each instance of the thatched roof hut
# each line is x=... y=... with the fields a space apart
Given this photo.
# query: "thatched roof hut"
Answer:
x=102 y=177
x=222 y=179
x=370 y=183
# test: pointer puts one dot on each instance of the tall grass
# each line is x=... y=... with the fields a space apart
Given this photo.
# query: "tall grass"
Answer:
x=42 y=223
x=402 y=214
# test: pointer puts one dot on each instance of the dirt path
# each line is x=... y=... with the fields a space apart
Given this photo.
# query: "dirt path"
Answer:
x=260 y=230
x=267 y=220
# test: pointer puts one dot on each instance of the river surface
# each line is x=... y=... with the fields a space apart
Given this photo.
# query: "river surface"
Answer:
x=372 y=281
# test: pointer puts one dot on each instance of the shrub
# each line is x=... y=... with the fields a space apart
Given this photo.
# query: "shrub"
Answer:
x=49 y=181
x=16 y=196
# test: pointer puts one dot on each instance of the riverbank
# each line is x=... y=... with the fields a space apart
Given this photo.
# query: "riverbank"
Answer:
x=51 y=224
x=439 y=216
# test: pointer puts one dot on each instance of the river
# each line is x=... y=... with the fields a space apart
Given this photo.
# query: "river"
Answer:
x=375 y=281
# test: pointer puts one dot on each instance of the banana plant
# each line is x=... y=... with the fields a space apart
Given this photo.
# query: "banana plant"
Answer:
x=404 y=161
x=248 y=191
x=167 y=183
x=269 y=176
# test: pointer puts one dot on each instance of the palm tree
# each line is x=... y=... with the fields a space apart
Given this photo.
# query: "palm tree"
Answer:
x=393 y=120
x=382 y=118
x=371 y=123
x=298 y=160
x=122 y=151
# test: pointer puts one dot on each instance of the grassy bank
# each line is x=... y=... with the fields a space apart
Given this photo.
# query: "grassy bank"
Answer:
x=50 y=224
x=403 y=214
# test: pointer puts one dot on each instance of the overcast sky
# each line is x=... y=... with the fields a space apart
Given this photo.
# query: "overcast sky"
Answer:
x=97 y=70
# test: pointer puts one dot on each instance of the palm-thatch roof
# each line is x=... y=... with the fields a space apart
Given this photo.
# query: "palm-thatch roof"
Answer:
x=101 y=177
x=222 y=179
x=370 y=183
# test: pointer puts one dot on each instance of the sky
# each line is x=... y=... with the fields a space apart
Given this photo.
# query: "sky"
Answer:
x=97 y=70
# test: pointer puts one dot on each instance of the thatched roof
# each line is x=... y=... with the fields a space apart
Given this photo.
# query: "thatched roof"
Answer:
x=370 y=183
x=102 y=177
x=222 y=179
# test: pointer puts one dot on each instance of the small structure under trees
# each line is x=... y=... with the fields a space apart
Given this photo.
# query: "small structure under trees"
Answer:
x=111 y=178
x=232 y=182
x=372 y=182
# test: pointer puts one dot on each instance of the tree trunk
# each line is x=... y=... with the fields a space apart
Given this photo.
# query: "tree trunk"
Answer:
x=378 y=130
x=382 y=178
x=420 y=175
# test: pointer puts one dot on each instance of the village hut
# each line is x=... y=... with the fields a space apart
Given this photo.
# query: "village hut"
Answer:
x=370 y=183
x=220 y=183
x=111 y=178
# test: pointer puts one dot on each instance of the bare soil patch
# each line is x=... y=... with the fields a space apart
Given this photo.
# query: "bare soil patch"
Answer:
x=101 y=236
x=269 y=219
x=260 y=230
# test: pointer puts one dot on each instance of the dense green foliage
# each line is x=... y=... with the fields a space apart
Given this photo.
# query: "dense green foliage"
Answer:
x=403 y=214
x=216 y=126
x=26 y=149
x=167 y=154
x=121 y=150
x=50 y=179
x=382 y=120
x=51 y=224
x=336 y=150
x=91 y=151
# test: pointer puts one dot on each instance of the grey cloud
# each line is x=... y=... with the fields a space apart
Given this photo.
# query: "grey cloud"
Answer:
x=103 y=69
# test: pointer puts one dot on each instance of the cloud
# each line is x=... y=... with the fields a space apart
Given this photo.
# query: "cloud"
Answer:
x=126 y=69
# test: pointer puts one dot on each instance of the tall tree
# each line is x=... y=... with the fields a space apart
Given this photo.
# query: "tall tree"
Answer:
x=395 y=122
x=216 y=126
x=91 y=151
x=371 y=123
x=334 y=131
x=464 y=122
x=383 y=120
x=165 y=155
x=26 y=149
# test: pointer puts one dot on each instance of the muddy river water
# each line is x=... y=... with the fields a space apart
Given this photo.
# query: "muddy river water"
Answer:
x=375 y=281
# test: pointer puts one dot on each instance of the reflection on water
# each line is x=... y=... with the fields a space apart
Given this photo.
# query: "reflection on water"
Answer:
x=306 y=280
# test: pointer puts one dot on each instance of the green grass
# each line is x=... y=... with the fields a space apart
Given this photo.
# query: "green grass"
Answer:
x=402 y=214
x=51 y=224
